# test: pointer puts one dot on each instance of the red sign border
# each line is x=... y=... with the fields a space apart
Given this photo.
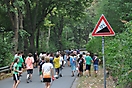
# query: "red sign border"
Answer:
x=111 y=33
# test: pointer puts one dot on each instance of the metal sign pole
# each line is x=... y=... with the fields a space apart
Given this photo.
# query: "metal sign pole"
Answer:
x=103 y=62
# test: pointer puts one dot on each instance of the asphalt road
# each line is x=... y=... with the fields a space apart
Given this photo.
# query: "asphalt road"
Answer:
x=64 y=82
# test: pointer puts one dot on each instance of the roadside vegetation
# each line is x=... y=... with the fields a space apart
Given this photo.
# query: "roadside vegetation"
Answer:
x=95 y=82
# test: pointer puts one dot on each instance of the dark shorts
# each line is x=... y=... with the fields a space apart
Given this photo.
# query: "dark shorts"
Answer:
x=30 y=71
x=46 y=79
x=36 y=60
x=61 y=67
x=81 y=68
x=15 y=77
x=68 y=59
x=20 y=68
x=57 y=70
x=88 y=67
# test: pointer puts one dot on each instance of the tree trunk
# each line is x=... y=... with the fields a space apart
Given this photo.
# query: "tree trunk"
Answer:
x=60 y=29
x=21 y=20
x=16 y=29
x=87 y=35
x=37 y=39
x=48 y=38
x=15 y=25
x=79 y=39
x=21 y=39
x=26 y=45
x=32 y=43
x=31 y=24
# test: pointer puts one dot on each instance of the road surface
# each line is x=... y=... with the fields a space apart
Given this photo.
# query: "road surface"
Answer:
x=64 y=82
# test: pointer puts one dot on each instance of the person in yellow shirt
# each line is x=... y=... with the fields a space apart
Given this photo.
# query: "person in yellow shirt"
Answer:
x=56 y=62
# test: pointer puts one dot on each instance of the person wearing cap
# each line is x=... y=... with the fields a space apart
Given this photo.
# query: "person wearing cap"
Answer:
x=89 y=61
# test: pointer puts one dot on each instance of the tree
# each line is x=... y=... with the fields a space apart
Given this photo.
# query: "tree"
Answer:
x=14 y=9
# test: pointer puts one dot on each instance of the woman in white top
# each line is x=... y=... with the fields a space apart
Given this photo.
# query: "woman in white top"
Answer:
x=47 y=70
x=61 y=65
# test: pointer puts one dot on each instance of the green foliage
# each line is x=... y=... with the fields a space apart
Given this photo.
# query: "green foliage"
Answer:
x=5 y=54
x=94 y=45
x=118 y=55
x=116 y=11
x=23 y=34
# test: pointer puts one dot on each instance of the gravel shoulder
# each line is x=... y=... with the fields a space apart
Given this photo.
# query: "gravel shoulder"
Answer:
x=92 y=81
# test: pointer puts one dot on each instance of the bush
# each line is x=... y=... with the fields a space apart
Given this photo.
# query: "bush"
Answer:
x=5 y=54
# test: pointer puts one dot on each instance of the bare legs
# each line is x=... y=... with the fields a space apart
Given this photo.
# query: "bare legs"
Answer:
x=68 y=62
x=96 y=73
x=41 y=77
x=16 y=84
x=88 y=73
x=47 y=85
x=29 y=76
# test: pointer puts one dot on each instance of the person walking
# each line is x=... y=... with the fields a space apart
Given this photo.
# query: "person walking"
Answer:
x=56 y=62
x=61 y=64
x=73 y=64
x=20 y=63
x=68 y=59
x=51 y=58
x=89 y=61
x=48 y=74
x=80 y=61
x=96 y=61
x=29 y=66
x=36 y=59
x=40 y=67
x=16 y=73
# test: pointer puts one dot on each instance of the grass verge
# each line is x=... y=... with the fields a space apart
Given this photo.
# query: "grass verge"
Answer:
x=95 y=82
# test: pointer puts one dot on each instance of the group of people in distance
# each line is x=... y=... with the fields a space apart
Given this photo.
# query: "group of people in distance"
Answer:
x=50 y=65
x=81 y=62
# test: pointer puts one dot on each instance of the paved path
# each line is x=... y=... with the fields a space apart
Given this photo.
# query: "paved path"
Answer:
x=63 y=82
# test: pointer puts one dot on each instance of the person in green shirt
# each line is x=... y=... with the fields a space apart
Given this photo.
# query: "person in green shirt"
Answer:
x=89 y=61
x=16 y=73
x=20 y=63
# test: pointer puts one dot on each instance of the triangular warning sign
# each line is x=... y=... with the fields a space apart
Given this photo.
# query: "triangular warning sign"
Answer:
x=103 y=28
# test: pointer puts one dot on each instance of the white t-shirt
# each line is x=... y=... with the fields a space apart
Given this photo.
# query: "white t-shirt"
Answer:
x=61 y=59
x=46 y=68
x=41 y=55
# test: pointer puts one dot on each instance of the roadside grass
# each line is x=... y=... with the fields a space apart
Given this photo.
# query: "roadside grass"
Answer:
x=7 y=75
x=95 y=82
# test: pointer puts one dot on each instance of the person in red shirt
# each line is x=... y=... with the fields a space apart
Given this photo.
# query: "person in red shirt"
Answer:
x=29 y=66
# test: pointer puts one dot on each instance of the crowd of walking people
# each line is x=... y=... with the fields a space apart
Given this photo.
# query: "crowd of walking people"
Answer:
x=50 y=65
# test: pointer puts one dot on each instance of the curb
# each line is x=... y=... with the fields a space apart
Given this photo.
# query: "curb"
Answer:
x=74 y=83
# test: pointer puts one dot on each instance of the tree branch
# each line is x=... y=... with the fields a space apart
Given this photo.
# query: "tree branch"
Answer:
x=44 y=14
x=9 y=13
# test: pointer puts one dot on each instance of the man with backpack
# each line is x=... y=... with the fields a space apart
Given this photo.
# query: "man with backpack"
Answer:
x=96 y=61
